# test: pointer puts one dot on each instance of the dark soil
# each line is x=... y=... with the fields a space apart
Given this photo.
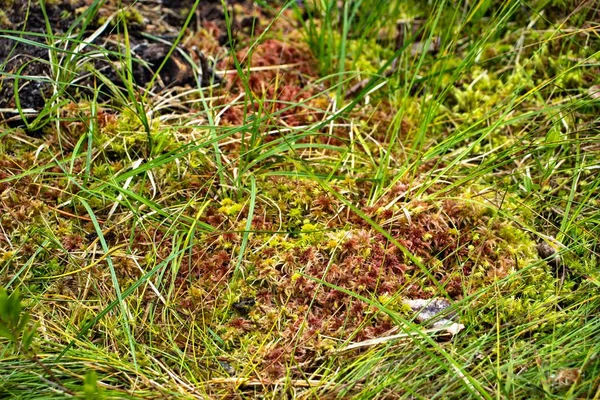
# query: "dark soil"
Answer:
x=152 y=28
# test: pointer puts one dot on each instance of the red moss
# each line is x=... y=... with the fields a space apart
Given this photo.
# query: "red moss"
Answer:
x=72 y=242
x=272 y=81
x=241 y=323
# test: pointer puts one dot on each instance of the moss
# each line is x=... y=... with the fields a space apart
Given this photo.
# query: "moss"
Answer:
x=131 y=16
x=467 y=229
x=230 y=208
x=4 y=20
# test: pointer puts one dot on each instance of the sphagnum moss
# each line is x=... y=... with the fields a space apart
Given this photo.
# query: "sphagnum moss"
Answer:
x=450 y=159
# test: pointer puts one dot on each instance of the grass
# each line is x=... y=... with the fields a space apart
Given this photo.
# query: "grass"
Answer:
x=258 y=238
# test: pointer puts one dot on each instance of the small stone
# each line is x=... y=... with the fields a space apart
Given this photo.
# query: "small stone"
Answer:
x=548 y=253
x=594 y=92
x=228 y=368
x=244 y=305
x=427 y=309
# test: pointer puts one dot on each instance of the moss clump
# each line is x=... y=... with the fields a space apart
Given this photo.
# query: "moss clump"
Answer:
x=130 y=16
x=4 y=20
x=292 y=275
x=230 y=208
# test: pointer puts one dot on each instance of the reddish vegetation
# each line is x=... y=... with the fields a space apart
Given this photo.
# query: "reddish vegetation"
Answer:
x=364 y=262
x=280 y=74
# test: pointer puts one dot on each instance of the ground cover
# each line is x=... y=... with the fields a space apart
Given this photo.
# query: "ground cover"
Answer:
x=241 y=199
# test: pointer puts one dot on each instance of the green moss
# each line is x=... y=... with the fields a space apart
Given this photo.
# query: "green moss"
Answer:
x=230 y=208
x=296 y=213
x=4 y=20
x=129 y=15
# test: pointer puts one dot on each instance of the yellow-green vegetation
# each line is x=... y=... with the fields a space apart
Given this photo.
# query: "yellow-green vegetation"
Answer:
x=258 y=237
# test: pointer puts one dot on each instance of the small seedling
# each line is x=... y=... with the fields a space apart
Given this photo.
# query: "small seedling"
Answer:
x=91 y=390
x=14 y=321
